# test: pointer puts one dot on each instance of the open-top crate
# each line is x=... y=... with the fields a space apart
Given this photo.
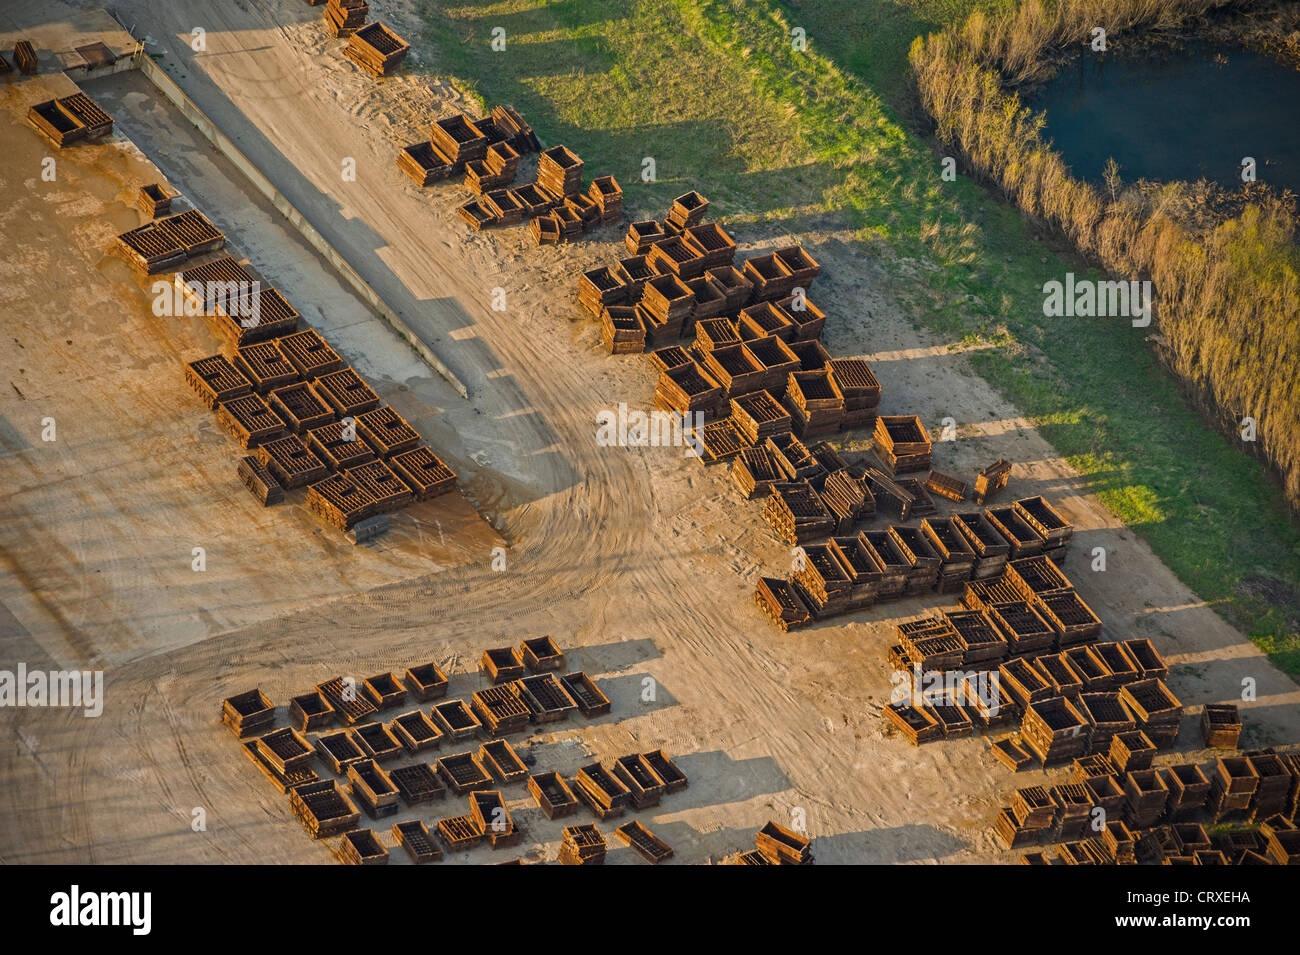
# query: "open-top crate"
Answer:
x=376 y=741
x=644 y=784
x=301 y=409
x=324 y=809
x=215 y=379
x=248 y=713
x=463 y=773
x=338 y=751
x=501 y=709
x=416 y=732
x=426 y=682
x=502 y=664
x=488 y=809
x=460 y=832
x=591 y=700
x=310 y=711
x=553 y=794
x=1221 y=725
x=417 y=784
x=782 y=846
x=604 y=794
x=372 y=788
x=413 y=836
x=546 y=698
x=291 y=462
x=916 y=722
x=456 y=720
x=59 y=126
x=285 y=749
x=500 y=758
x=644 y=842
x=348 y=700
x=283 y=780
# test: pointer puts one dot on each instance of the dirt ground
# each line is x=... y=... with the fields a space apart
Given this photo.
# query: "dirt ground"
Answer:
x=637 y=561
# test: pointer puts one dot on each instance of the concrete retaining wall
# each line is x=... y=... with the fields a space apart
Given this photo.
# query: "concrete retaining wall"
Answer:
x=167 y=86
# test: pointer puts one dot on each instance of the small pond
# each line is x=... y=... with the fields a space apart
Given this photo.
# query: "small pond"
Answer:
x=1188 y=114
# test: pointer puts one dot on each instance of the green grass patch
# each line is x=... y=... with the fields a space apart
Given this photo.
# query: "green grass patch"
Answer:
x=715 y=92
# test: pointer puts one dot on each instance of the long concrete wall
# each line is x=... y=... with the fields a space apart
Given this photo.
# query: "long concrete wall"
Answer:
x=167 y=86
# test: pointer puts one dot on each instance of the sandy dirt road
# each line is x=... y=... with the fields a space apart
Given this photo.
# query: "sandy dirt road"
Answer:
x=639 y=560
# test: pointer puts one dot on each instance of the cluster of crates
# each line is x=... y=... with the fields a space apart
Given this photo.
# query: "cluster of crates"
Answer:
x=558 y=205
x=338 y=758
x=585 y=845
x=309 y=420
x=1171 y=815
x=756 y=359
x=486 y=151
x=1027 y=649
x=166 y=244
x=312 y=422
x=764 y=388
x=814 y=494
x=839 y=571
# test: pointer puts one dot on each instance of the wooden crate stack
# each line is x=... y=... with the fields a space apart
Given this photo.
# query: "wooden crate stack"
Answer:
x=248 y=713
x=848 y=498
x=796 y=513
x=758 y=416
x=423 y=163
x=559 y=171
x=1054 y=730
x=755 y=470
x=815 y=403
x=376 y=49
x=902 y=443
x=780 y=602
x=782 y=846
x=601 y=791
x=458 y=140
x=1146 y=796
x=823 y=581
x=687 y=210
x=601 y=287
x=1156 y=710
x=1221 y=725
x=686 y=390
x=344 y=16
x=856 y=382
x=1055 y=530
x=582 y=845
x=607 y=194
x=666 y=304
x=323 y=809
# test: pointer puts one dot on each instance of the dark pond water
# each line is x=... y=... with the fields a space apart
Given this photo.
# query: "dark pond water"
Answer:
x=1188 y=114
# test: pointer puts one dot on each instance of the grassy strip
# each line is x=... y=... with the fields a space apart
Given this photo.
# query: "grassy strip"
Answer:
x=771 y=133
